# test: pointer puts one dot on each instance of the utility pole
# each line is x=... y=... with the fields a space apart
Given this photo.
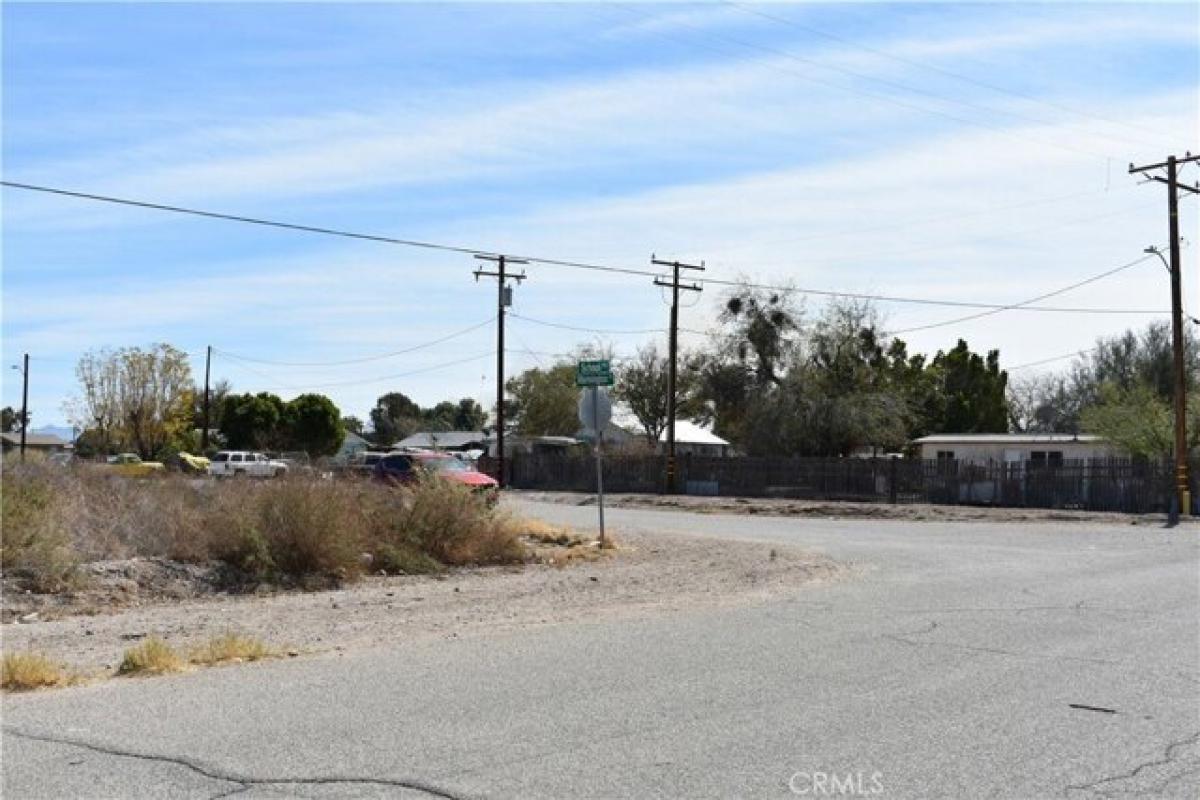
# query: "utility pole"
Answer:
x=503 y=300
x=1171 y=165
x=673 y=350
x=24 y=403
x=204 y=433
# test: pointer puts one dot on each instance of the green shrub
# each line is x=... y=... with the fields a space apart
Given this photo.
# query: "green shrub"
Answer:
x=454 y=525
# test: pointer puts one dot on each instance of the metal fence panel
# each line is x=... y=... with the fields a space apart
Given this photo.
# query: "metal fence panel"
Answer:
x=1097 y=485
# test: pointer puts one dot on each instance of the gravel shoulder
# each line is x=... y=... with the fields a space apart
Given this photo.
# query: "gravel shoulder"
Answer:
x=828 y=509
x=646 y=575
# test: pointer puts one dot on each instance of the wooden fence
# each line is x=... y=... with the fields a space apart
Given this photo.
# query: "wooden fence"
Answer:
x=1095 y=485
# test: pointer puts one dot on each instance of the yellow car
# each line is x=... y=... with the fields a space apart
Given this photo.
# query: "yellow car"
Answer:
x=189 y=464
x=131 y=465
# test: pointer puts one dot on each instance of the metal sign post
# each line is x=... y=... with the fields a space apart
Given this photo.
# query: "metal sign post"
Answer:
x=595 y=411
x=598 y=427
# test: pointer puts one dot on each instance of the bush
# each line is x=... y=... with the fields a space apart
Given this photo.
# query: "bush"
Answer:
x=151 y=657
x=230 y=647
x=297 y=528
x=454 y=525
x=36 y=543
x=24 y=671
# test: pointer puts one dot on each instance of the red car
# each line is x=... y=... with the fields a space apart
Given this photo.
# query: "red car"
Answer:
x=400 y=468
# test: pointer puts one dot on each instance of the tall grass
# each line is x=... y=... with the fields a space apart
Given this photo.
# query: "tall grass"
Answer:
x=294 y=529
x=25 y=671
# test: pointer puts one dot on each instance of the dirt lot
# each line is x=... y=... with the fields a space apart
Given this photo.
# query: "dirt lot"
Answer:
x=830 y=509
x=133 y=599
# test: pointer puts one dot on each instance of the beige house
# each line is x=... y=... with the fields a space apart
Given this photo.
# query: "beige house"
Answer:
x=1014 y=448
x=34 y=442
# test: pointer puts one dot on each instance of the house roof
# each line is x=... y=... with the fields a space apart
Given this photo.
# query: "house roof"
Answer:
x=34 y=440
x=691 y=433
x=446 y=439
x=1009 y=438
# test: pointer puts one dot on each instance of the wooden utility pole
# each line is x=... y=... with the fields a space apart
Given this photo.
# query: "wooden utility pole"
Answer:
x=503 y=300
x=1171 y=179
x=204 y=432
x=673 y=350
x=24 y=403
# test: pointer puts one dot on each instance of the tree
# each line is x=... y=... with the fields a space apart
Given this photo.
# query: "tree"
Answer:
x=10 y=419
x=312 y=423
x=544 y=402
x=970 y=396
x=394 y=417
x=141 y=399
x=353 y=425
x=841 y=391
x=1043 y=404
x=252 y=421
x=642 y=385
x=441 y=417
x=1136 y=419
x=761 y=329
x=469 y=415
x=216 y=401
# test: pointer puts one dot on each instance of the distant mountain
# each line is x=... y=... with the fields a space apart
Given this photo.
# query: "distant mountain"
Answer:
x=66 y=434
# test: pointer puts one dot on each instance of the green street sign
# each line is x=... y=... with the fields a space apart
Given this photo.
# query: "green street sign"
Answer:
x=593 y=373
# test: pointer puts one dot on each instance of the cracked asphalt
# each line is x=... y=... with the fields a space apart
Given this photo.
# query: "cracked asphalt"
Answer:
x=1023 y=660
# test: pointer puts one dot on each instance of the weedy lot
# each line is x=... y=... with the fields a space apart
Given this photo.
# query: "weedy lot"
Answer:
x=107 y=576
x=299 y=531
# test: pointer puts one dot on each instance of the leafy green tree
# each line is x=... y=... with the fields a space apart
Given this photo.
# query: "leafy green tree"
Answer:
x=544 y=402
x=353 y=425
x=441 y=417
x=394 y=417
x=469 y=415
x=252 y=421
x=842 y=391
x=970 y=394
x=1138 y=420
x=725 y=388
x=312 y=423
x=1056 y=403
x=216 y=400
x=642 y=385
x=10 y=419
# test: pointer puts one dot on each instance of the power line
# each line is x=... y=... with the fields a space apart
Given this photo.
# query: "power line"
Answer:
x=930 y=220
x=1024 y=303
x=376 y=379
x=1040 y=362
x=887 y=98
x=855 y=258
x=941 y=70
x=606 y=331
x=608 y=268
x=363 y=359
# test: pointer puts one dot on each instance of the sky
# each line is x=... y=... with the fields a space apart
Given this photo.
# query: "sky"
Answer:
x=954 y=152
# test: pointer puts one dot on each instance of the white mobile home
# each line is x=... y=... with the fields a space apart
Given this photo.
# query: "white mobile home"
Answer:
x=1014 y=448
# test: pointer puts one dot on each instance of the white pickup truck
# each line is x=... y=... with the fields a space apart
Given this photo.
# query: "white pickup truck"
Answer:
x=229 y=463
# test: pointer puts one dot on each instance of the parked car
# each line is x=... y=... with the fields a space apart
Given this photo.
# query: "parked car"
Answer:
x=61 y=459
x=233 y=463
x=298 y=462
x=402 y=468
x=132 y=466
x=188 y=464
x=363 y=464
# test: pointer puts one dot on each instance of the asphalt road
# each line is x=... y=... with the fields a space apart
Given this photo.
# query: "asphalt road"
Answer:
x=963 y=660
